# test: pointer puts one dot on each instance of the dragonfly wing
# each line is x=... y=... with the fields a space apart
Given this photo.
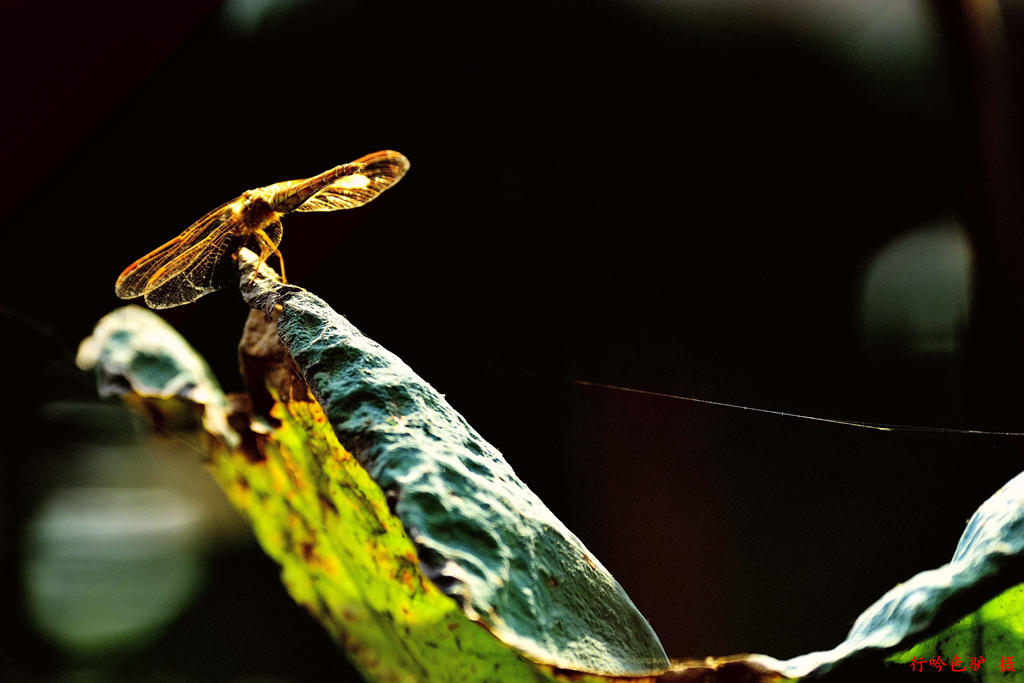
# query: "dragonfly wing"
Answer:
x=371 y=175
x=209 y=265
x=205 y=267
x=136 y=277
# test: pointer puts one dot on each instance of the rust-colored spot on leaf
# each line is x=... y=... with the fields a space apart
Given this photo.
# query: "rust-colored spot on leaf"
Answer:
x=327 y=504
x=307 y=551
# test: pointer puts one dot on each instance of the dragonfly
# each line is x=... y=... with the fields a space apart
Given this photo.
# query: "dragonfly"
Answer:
x=202 y=258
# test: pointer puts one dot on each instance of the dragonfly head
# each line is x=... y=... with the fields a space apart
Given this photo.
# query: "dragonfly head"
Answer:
x=250 y=200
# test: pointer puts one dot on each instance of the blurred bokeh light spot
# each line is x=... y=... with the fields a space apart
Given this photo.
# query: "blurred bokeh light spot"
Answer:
x=245 y=16
x=107 y=568
x=916 y=291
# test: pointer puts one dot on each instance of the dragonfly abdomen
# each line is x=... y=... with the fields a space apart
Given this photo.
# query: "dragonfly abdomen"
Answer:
x=291 y=196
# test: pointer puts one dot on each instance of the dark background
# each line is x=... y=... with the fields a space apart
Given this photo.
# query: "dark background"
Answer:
x=676 y=197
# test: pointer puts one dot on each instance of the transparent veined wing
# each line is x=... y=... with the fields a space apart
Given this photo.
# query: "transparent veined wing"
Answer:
x=363 y=181
x=205 y=267
x=133 y=280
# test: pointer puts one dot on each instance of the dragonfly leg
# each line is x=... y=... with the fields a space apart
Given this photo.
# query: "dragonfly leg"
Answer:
x=267 y=247
x=260 y=262
x=280 y=261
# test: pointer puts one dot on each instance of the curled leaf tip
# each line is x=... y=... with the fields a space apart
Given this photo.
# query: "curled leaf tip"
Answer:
x=133 y=351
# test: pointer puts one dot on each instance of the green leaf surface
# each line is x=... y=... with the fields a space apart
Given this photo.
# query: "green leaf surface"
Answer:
x=344 y=557
x=480 y=534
